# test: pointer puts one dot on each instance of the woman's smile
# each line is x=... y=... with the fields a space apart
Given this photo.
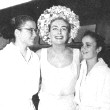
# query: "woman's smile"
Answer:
x=58 y=37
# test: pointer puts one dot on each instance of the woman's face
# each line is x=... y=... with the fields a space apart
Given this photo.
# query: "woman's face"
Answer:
x=89 y=49
x=28 y=33
x=59 y=31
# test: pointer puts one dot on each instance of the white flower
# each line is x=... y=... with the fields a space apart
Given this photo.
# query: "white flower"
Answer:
x=55 y=12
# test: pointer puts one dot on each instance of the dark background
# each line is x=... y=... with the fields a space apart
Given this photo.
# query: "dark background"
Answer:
x=90 y=12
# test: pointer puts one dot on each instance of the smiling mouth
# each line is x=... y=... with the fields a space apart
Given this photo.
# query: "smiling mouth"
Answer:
x=59 y=37
x=84 y=53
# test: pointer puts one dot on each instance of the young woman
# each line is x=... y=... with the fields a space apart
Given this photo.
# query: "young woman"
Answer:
x=20 y=72
x=93 y=85
x=59 y=63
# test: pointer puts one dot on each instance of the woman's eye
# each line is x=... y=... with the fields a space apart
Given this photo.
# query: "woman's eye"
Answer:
x=88 y=45
x=82 y=45
x=85 y=45
x=64 y=29
x=54 y=29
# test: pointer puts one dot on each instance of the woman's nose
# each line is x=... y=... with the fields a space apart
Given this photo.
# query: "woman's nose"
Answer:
x=35 y=33
x=83 y=47
x=59 y=31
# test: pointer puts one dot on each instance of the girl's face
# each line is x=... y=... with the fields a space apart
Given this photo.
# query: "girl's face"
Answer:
x=89 y=49
x=28 y=33
x=59 y=32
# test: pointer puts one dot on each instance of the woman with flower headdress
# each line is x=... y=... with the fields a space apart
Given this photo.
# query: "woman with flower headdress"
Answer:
x=59 y=63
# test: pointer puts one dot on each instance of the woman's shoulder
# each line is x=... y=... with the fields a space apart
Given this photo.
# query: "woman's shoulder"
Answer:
x=39 y=52
x=77 y=53
x=102 y=67
x=75 y=50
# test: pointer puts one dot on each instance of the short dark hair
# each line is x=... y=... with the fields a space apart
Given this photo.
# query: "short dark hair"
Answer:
x=19 y=20
x=98 y=39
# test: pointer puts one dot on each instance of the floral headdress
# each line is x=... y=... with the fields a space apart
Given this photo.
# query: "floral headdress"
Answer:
x=56 y=12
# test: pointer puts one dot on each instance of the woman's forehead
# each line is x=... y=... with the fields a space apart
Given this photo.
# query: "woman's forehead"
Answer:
x=59 y=22
x=29 y=24
x=88 y=38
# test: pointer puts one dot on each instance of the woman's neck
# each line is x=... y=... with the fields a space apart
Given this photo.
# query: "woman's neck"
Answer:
x=91 y=63
x=22 y=48
x=59 y=48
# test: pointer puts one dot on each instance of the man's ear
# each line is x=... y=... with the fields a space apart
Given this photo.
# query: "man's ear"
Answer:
x=99 y=49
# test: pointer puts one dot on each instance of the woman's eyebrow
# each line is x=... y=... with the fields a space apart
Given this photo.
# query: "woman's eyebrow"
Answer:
x=57 y=26
x=54 y=26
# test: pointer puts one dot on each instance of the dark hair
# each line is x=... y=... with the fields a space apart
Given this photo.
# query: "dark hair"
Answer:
x=6 y=32
x=98 y=39
x=18 y=21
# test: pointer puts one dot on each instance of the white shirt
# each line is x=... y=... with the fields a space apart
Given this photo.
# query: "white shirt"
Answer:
x=93 y=89
x=19 y=78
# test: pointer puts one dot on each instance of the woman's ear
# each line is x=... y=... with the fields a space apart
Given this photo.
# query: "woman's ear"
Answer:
x=17 y=32
x=99 y=49
x=69 y=40
x=49 y=35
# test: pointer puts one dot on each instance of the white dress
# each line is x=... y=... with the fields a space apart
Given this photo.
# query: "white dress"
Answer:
x=93 y=89
x=19 y=78
x=56 y=81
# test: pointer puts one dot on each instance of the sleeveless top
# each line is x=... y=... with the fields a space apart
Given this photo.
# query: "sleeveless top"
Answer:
x=58 y=84
x=55 y=80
